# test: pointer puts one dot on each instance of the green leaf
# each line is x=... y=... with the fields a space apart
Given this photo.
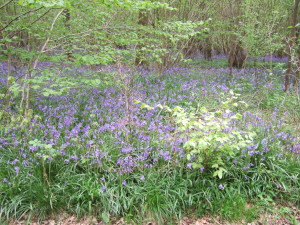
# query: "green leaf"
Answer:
x=215 y=165
x=36 y=87
x=46 y=157
x=188 y=157
x=196 y=165
x=46 y=94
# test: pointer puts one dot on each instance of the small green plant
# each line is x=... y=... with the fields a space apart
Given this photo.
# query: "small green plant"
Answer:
x=46 y=151
x=211 y=137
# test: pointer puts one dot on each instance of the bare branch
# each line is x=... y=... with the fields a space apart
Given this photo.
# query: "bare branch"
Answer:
x=45 y=13
x=5 y=4
x=69 y=35
x=16 y=18
x=48 y=39
x=54 y=47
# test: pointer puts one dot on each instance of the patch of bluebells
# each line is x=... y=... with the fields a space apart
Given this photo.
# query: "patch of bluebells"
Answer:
x=248 y=166
x=98 y=126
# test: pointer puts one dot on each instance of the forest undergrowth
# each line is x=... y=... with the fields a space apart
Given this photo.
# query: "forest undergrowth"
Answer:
x=144 y=146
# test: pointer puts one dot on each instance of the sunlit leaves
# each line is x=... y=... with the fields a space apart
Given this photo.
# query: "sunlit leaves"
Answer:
x=45 y=3
x=126 y=4
x=210 y=135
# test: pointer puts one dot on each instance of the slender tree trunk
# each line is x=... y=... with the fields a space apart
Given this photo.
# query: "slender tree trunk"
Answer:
x=297 y=33
x=292 y=42
x=28 y=75
x=230 y=61
x=207 y=49
x=68 y=46
x=143 y=20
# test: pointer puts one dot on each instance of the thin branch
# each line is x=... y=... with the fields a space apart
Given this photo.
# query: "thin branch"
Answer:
x=54 y=21
x=16 y=18
x=36 y=63
x=41 y=16
x=16 y=31
x=104 y=28
x=69 y=35
x=51 y=28
x=54 y=47
x=5 y=4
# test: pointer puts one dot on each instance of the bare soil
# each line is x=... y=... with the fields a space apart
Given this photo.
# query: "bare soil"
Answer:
x=65 y=219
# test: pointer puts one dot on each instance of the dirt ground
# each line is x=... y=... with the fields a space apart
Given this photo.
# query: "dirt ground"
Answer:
x=65 y=219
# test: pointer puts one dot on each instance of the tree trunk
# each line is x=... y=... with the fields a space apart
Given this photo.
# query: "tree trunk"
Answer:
x=292 y=42
x=237 y=57
x=207 y=51
x=297 y=43
x=68 y=45
x=143 y=20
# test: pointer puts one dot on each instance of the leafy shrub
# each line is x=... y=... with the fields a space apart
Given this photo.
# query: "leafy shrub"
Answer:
x=211 y=137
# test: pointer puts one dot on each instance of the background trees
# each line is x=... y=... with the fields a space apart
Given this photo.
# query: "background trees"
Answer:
x=157 y=34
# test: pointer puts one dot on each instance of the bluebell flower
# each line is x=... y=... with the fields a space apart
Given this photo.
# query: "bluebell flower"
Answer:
x=17 y=170
x=102 y=189
x=202 y=169
x=248 y=166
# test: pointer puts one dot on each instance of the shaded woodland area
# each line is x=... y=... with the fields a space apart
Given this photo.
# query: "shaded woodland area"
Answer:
x=154 y=34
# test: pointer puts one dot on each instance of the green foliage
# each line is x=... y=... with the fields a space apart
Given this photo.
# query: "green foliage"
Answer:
x=45 y=150
x=126 y=4
x=44 y=3
x=260 y=34
x=209 y=143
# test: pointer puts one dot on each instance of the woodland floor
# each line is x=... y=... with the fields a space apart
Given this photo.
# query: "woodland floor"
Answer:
x=268 y=218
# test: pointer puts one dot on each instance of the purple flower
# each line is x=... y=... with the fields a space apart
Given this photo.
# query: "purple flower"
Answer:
x=295 y=148
x=102 y=189
x=248 y=166
x=221 y=187
x=74 y=157
x=5 y=180
x=142 y=177
x=17 y=170
x=251 y=147
x=14 y=161
x=124 y=182
x=33 y=148
x=126 y=149
x=202 y=169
